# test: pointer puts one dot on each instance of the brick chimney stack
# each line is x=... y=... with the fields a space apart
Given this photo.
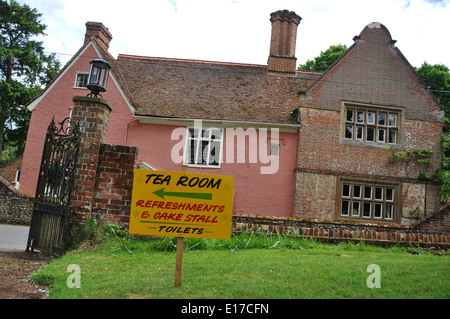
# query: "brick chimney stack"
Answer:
x=282 y=58
x=98 y=31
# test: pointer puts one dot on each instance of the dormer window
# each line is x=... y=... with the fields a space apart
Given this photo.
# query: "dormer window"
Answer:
x=81 y=80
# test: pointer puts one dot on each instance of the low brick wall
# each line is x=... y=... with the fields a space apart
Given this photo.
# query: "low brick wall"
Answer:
x=114 y=184
x=336 y=231
x=437 y=222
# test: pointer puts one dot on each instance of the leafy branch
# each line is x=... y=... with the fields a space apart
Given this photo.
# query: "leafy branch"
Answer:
x=421 y=156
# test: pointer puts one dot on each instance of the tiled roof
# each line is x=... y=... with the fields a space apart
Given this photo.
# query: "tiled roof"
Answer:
x=195 y=89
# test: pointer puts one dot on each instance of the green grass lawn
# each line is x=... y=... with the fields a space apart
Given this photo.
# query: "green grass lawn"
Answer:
x=248 y=266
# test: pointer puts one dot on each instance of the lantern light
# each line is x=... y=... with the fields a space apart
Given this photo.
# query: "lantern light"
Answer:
x=98 y=77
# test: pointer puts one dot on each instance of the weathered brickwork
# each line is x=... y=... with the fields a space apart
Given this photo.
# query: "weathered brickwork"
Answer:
x=114 y=184
x=282 y=58
x=438 y=222
x=104 y=174
x=9 y=171
x=422 y=234
x=93 y=116
x=372 y=74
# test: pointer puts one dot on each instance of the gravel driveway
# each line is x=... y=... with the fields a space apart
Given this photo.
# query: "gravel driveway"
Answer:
x=15 y=268
x=16 y=265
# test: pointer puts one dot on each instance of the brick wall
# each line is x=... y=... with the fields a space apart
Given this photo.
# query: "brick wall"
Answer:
x=282 y=65
x=437 y=222
x=114 y=184
x=9 y=170
x=104 y=172
x=330 y=231
x=371 y=74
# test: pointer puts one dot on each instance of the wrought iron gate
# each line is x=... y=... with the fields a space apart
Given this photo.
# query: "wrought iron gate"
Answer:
x=48 y=227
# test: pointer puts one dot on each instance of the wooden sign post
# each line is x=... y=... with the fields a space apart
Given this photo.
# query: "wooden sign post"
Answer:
x=181 y=204
x=179 y=263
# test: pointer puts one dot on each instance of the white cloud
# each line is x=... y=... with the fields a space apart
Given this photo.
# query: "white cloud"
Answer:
x=239 y=30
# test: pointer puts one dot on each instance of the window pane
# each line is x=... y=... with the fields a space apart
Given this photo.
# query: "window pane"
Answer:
x=349 y=131
x=359 y=132
x=392 y=136
x=346 y=190
x=206 y=134
x=367 y=192
x=389 y=214
x=371 y=134
x=356 y=191
x=378 y=210
x=349 y=115
x=356 y=208
x=345 y=206
x=214 y=153
x=379 y=193
x=215 y=134
x=360 y=116
x=193 y=133
x=382 y=118
x=203 y=153
x=370 y=117
x=390 y=194
x=367 y=210
x=191 y=151
x=381 y=135
x=392 y=119
x=274 y=149
x=81 y=80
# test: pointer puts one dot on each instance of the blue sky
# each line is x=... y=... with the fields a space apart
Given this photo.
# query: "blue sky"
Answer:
x=239 y=30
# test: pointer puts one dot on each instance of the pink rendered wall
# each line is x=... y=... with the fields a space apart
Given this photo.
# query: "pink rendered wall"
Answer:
x=58 y=103
x=254 y=193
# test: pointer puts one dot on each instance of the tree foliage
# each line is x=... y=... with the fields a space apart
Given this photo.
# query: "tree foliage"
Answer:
x=325 y=59
x=437 y=78
x=24 y=69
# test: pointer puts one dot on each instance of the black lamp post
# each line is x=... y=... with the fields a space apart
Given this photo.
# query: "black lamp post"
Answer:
x=98 y=77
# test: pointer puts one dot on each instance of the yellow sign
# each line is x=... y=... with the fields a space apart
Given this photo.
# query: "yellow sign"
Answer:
x=181 y=204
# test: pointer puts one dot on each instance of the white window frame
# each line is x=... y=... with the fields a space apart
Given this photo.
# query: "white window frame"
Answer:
x=197 y=141
x=76 y=80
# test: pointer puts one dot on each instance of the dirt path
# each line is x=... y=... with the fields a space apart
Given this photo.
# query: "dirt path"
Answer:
x=15 y=267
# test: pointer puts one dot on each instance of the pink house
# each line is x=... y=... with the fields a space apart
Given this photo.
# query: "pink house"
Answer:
x=279 y=131
x=197 y=116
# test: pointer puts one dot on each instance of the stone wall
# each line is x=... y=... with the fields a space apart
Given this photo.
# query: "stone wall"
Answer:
x=14 y=209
